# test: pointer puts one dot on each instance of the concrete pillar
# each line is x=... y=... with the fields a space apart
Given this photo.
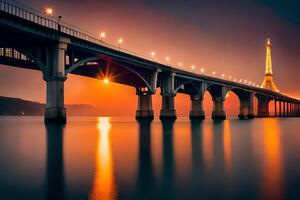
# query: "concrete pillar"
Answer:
x=144 y=107
x=218 y=110
x=168 y=97
x=280 y=109
x=243 y=109
x=246 y=108
x=284 y=109
x=168 y=108
x=55 y=110
x=275 y=108
x=196 y=111
x=263 y=106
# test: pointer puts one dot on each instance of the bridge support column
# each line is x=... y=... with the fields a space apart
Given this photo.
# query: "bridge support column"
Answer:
x=263 y=106
x=144 y=107
x=168 y=94
x=246 y=108
x=218 y=110
x=55 y=111
x=284 y=109
x=168 y=108
x=275 y=108
x=280 y=109
x=196 y=111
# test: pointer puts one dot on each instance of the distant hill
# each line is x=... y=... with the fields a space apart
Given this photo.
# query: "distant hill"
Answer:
x=16 y=106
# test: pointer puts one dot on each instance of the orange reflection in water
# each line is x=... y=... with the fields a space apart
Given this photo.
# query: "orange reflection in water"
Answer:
x=227 y=147
x=104 y=184
x=272 y=163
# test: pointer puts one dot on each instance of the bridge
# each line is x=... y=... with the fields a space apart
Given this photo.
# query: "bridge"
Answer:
x=31 y=40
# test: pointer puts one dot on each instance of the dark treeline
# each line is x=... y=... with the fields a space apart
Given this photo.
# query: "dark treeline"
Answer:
x=16 y=106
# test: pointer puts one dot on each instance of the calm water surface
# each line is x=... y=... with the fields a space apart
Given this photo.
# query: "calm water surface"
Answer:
x=119 y=158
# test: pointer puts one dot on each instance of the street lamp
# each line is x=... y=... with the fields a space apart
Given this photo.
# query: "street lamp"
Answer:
x=167 y=59
x=48 y=11
x=192 y=67
x=120 y=41
x=153 y=55
x=202 y=70
x=102 y=36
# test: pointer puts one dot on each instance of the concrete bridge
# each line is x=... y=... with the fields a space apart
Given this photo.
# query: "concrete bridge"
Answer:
x=30 y=40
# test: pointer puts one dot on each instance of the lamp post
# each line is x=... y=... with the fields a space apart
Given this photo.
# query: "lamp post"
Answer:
x=153 y=55
x=167 y=59
x=120 y=41
x=102 y=36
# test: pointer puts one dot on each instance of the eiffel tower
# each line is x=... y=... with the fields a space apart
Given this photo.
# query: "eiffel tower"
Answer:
x=268 y=82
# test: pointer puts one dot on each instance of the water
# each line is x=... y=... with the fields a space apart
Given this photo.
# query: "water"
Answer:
x=118 y=158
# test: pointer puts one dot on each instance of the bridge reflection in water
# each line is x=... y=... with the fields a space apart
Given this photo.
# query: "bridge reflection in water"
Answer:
x=151 y=160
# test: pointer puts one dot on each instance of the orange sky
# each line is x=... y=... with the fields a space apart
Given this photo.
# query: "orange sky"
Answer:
x=226 y=38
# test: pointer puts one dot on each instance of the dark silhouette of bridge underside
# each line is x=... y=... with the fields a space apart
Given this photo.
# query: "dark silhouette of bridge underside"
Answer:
x=32 y=41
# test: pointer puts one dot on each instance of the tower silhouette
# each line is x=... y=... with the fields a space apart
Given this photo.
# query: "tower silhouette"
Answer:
x=268 y=82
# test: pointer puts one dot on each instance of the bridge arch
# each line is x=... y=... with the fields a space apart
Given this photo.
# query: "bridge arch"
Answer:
x=112 y=64
x=190 y=85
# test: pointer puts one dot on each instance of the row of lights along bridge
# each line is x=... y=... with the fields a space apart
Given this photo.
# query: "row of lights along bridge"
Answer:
x=49 y=12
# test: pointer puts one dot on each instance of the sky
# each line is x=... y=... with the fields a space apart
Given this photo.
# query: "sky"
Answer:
x=216 y=35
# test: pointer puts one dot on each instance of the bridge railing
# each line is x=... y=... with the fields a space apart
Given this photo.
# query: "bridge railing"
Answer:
x=29 y=14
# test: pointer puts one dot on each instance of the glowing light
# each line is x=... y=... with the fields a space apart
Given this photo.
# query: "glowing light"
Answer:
x=153 y=54
x=180 y=64
x=102 y=35
x=192 y=67
x=245 y=81
x=120 y=40
x=167 y=58
x=227 y=95
x=223 y=75
x=234 y=79
x=229 y=77
x=240 y=80
x=106 y=80
x=49 y=11
x=214 y=73
x=202 y=70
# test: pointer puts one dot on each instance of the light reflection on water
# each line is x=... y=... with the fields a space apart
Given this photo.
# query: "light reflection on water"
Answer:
x=113 y=158
x=103 y=186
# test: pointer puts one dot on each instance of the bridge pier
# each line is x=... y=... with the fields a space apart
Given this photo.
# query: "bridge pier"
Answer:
x=144 y=107
x=168 y=108
x=55 y=111
x=263 y=106
x=280 y=109
x=246 y=108
x=218 y=109
x=168 y=94
x=196 y=111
